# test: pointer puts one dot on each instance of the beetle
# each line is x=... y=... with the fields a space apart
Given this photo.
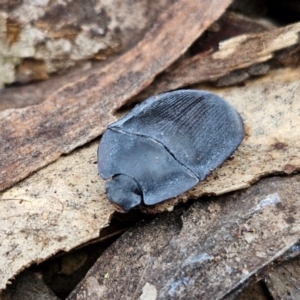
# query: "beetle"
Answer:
x=166 y=145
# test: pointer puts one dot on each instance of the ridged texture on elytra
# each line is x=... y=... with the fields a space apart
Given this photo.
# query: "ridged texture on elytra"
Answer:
x=170 y=142
x=198 y=128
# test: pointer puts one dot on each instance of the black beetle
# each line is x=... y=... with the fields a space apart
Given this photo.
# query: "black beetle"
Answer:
x=166 y=145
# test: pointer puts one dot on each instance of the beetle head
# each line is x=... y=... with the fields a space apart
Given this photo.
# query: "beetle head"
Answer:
x=124 y=192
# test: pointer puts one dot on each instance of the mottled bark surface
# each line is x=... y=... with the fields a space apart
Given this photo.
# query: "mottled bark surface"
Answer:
x=283 y=281
x=39 y=38
x=203 y=253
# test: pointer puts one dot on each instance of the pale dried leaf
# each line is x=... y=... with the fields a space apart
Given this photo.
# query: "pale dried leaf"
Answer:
x=56 y=209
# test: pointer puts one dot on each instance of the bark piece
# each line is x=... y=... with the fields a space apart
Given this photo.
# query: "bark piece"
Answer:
x=56 y=209
x=33 y=137
x=28 y=286
x=33 y=94
x=41 y=38
x=209 y=251
x=234 y=54
x=230 y=25
x=283 y=281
